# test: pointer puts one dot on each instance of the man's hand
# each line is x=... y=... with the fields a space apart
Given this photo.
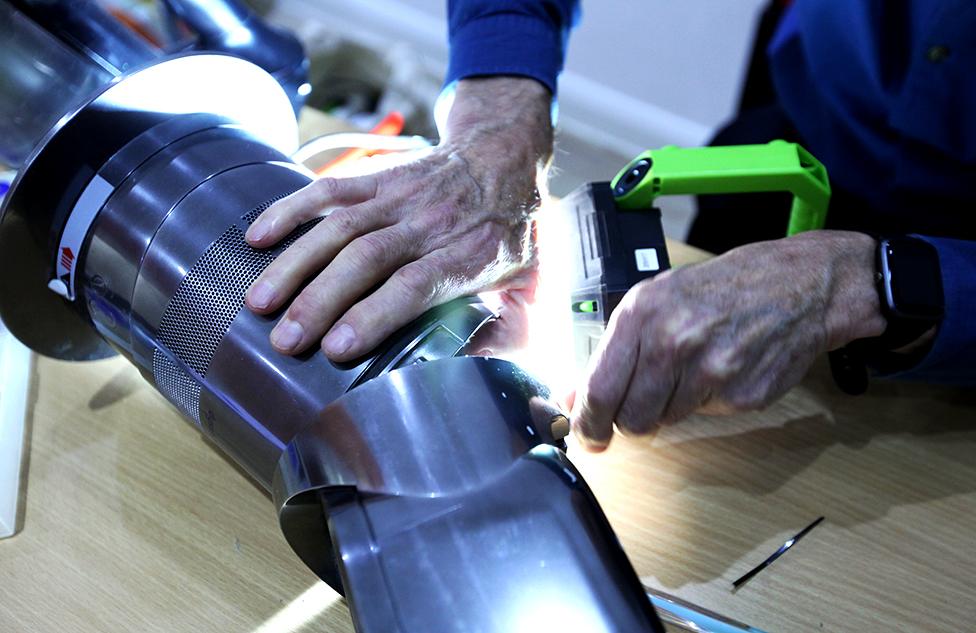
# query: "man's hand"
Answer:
x=396 y=243
x=730 y=334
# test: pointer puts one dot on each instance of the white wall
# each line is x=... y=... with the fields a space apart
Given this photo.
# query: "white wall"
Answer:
x=685 y=58
x=639 y=74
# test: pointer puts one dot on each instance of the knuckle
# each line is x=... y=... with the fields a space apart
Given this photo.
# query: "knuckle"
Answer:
x=637 y=306
x=585 y=416
x=376 y=246
x=398 y=173
x=418 y=281
x=682 y=405
x=647 y=293
x=622 y=316
x=720 y=366
x=477 y=245
x=671 y=418
x=285 y=206
x=344 y=221
x=766 y=394
x=679 y=335
x=440 y=219
x=306 y=306
x=327 y=188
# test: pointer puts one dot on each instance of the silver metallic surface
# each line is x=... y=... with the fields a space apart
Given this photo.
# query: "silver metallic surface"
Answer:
x=168 y=291
x=422 y=430
x=105 y=129
x=443 y=494
x=134 y=214
x=422 y=483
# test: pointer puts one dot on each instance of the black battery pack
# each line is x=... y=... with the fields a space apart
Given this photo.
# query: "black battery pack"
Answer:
x=612 y=250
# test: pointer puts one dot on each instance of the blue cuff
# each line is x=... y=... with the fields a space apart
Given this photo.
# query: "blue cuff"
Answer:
x=952 y=357
x=496 y=43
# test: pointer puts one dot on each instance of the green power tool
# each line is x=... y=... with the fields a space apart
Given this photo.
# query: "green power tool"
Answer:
x=618 y=230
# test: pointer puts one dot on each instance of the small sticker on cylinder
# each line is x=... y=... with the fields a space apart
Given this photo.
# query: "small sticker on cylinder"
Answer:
x=73 y=236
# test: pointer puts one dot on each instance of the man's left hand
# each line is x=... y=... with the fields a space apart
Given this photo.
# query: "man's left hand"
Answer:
x=398 y=242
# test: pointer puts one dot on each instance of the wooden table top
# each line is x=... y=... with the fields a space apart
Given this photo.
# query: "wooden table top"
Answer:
x=132 y=521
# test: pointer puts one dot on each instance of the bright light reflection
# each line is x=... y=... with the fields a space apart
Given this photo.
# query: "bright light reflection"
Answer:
x=301 y=610
x=358 y=140
x=238 y=36
x=550 y=354
x=551 y=611
x=238 y=90
x=227 y=22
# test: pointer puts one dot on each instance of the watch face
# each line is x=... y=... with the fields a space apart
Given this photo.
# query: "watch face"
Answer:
x=912 y=278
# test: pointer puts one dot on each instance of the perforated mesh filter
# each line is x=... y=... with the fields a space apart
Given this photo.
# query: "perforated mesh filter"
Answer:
x=209 y=298
x=177 y=385
x=252 y=215
x=203 y=307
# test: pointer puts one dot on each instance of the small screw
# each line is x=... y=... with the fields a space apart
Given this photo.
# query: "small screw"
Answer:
x=559 y=426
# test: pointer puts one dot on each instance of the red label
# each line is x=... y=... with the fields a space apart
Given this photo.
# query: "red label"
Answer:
x=67 y=257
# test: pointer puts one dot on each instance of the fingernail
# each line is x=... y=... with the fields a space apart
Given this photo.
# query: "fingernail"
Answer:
x=261 y=295
x=257 y=231
x=339 y=340
x=287 y=335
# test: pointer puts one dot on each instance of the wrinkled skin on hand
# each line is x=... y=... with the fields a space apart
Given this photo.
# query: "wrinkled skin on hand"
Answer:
x=730 y=334
x=393 y=244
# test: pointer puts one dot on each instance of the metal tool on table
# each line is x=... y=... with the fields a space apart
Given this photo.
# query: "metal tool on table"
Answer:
x=427 y=486
x=617 y=232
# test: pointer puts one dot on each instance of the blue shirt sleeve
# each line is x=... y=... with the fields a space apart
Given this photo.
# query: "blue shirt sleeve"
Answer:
x=509 y=37
x=951 y=357
x=883 y=93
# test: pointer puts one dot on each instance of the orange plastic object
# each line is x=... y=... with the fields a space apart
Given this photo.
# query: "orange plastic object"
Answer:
x=390 y=125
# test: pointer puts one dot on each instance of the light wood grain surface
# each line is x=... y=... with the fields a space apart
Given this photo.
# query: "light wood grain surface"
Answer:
x=133 y=522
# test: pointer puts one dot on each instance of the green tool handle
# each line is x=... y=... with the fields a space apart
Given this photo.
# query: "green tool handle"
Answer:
x=775 y=166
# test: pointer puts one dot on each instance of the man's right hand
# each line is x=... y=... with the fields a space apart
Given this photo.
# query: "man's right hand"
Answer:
x=729 y=334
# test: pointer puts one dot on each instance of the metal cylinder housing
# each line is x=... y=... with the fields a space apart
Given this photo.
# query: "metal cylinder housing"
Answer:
x=126 y=232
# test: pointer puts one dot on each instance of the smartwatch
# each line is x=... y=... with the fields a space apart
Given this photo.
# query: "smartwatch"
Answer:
x=909 y=283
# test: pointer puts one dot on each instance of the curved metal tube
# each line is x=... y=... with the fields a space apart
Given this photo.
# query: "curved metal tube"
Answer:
x=440 y=486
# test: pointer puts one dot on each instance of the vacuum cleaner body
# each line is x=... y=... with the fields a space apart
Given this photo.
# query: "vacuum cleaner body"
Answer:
x=426 y=485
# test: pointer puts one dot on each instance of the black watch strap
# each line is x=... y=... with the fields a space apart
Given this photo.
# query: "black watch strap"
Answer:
x=909 y=284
